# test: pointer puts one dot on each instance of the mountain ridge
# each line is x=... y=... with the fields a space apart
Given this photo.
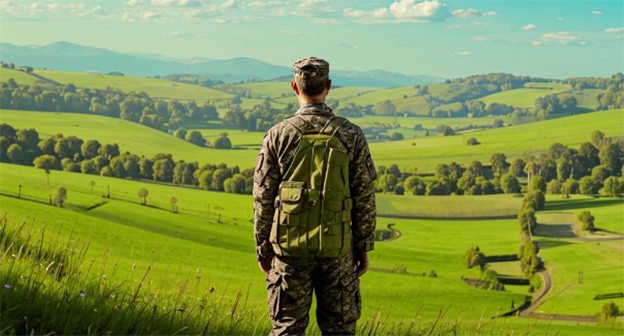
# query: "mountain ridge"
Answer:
x=68 y=56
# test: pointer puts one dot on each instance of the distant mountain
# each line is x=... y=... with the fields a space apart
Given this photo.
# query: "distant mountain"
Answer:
x=73 y=57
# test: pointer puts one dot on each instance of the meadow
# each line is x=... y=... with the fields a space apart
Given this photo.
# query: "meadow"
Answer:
x=198 y=264
x=525 y=97
x=212 y=235
x=420 y=154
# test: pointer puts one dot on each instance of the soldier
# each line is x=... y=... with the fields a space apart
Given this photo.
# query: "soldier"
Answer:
x=314 y=209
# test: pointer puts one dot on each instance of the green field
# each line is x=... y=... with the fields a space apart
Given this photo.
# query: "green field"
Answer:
x=154 y=87
x=516 y=141
x=20 y=77
x=126 y=134
x=423 y=153
x=525 y=97
x=212 y=235
x=448 y=206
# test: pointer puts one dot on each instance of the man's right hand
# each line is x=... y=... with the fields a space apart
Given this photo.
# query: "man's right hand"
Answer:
x=265 y=264
x=361 y=262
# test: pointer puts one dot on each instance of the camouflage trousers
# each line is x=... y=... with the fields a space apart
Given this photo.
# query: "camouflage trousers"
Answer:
x=290 y=284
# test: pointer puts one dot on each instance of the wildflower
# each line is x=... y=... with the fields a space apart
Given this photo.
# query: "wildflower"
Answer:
x=82 y=294
x=7 y=286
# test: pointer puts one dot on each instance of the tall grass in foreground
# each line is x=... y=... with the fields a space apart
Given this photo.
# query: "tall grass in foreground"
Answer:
x=49 y=286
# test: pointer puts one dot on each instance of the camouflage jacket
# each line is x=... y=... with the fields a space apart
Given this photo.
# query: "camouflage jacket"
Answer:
x=278 y=150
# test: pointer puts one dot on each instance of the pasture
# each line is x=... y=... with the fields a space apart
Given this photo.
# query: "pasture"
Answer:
x=212 y=235
x=20 y=77
x=525 y=97
x=154 y=87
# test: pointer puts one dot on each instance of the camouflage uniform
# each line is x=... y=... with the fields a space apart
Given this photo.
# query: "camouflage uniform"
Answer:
x=291 y=280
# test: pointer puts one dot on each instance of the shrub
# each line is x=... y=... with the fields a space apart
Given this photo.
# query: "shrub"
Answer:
x=586 y=219
x=608 y=312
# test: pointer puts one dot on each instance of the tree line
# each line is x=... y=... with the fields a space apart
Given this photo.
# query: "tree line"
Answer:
x=25 y=147
x=595 y=167
x=138 y=107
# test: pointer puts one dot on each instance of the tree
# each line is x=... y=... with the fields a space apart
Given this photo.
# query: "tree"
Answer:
x=235 y=184
x=537 y=183
x=612 y=187
x=472 y=142
x=15 y=153
x=474 y=257
x=517 y=168
x=609 y=311
x=509 y=184
x=47 y=163
x=223 y=142
x=174 y=201
x=587 y=186
x=414 y=185
x=195 y=137
x=586 y=219
x=570 y=186
x=60 y=195
x=386 y=182
x=90 y=149
x=445 y=130
x=499 y=163
x=384 y=108
x=143 y=193
x=611 y=156
x=596 y=138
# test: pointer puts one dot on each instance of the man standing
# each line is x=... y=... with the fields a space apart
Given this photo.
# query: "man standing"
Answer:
x=314 y=205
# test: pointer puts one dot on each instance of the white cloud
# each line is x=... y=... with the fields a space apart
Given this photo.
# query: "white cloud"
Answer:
x=54 y=7
x=311 y=3
x=459 y=53
x=614 y=30
x=97 y=10
x=176 y=3
x=466 y=13
x=132 y=3
x=263 y=4
x=427 y=10
x=471 y=12
x=561 y=38
x=228 y=4
x=175 y=34
x=530 y=26
x=379 y=13
x=596 y=12
x=356 y=13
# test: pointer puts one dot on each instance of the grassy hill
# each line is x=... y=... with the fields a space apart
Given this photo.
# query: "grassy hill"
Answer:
x=212 y=236
x=154 y=87
x=423 y=153
x=20 y=77
x=525 y=97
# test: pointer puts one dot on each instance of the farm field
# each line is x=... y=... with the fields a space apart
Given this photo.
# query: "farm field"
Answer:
x=154 y=87
x=423 y=153
x=524 y=97
x=126 y=134
x=19 y=76
x=516 y=141
x=197 y=239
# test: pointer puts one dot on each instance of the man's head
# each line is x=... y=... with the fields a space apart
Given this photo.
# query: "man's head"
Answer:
x=311 y=76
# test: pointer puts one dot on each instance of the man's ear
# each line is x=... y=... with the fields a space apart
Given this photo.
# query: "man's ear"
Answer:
x=328 y=85
x=294 y=87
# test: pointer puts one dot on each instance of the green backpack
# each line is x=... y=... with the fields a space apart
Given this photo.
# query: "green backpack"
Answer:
x=313 y=206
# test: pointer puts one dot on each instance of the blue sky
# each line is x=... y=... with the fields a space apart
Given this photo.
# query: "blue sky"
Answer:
x=556 y=39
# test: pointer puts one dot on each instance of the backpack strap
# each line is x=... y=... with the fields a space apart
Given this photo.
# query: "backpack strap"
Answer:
x=333 y=125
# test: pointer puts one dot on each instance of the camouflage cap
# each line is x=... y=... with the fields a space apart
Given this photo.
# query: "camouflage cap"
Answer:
x=312 y=69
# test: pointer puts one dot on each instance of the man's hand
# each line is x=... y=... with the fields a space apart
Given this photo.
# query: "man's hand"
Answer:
x=265 y=264
x=361 y=262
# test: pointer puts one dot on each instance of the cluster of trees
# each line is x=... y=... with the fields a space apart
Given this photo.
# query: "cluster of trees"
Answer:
x=612 y=98
x=194 y=79
x=553 y=104
x=530 y=262
x=586 y=219
x=379 y=131
x=70 y=153
x=596 y=167
x=260 y=118
x=489 y=278
x=136 y=107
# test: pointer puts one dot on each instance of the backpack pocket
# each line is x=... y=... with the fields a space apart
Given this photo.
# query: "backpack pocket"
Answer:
x=292 y=198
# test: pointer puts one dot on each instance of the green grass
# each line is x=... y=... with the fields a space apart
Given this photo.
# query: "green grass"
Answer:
x=565 y=255
x=587 y=98
x=374 y=97
x=126 y=134
x=154 y=87
x=447 y=206
x=525 y=97
x=20 y=77
x=193 y=241
x=514 y=141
